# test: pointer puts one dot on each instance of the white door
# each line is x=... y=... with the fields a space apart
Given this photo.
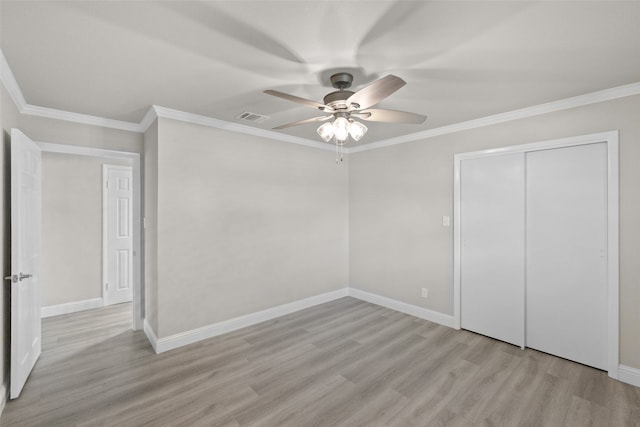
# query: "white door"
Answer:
x=566 y=280
x=25 y=258
x=492 y=252
x=118 y=227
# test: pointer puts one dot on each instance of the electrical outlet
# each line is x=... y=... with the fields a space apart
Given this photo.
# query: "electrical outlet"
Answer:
x=425 y=292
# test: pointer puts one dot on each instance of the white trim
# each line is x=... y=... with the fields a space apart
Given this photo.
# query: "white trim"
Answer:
x=151 y=335
x=138 y=296
x=3 y=397
x=613 y=285
x=70 y=307
x=613 y=267
x=85 y=119
x=11 y=83
x=235 y=127
x=85 y=151
x=403 y=307
x=19 y=100
x=536 y=110
x=188 y=337
x=105 y=237
x=629 y=375
x=148 y=119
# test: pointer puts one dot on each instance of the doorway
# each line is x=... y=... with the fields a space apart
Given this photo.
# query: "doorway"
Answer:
x=132 y=271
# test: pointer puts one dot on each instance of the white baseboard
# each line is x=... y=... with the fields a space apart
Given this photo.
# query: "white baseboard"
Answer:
x=184 y=338
x=151 y=335
x=629 y=375
x=70 y=307
x=423 y=313
x=3 y=397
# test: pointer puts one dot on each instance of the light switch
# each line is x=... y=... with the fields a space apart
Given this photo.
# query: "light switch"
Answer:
x=446 y=221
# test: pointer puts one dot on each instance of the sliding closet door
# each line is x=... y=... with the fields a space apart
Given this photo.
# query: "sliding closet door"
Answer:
x=566 y=267
x=492 y=250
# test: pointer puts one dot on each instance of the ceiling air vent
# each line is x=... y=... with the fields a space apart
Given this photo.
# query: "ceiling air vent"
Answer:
x=252 y=117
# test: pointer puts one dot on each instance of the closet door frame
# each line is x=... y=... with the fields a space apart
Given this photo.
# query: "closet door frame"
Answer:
x=613 y=307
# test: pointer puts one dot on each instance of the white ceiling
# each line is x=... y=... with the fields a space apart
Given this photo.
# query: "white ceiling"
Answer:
x=461 y=60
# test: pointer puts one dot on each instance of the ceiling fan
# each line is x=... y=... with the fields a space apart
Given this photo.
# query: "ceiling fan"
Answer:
x=344 y=106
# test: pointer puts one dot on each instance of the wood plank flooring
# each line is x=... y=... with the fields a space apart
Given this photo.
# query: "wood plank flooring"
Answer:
x=343 y=363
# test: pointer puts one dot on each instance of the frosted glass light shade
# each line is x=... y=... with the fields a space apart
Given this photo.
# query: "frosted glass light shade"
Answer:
x=357 y=130
x=326 y=131
x=341 y=129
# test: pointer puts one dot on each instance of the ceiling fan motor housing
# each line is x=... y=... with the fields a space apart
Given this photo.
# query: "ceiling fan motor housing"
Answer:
x=341 y=81
x=337 y=99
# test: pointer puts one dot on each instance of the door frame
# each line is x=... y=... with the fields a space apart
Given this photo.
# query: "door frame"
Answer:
x=613 y=275
x=105 y=221
x=138 y=244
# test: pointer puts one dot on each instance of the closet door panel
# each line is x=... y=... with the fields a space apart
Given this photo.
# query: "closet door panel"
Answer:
x=492 y=252
x=566 y=259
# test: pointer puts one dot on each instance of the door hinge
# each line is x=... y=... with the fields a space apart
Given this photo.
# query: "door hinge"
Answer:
x=106 y=286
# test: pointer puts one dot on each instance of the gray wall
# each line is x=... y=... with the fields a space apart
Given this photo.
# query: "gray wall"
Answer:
x=244 y=224
x=399 y=194
x=72 y=226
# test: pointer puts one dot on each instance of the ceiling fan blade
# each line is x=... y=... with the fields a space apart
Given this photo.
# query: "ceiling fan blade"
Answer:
x=305 y=121
x=376 y=91
x=389 y=116
x=299 y=100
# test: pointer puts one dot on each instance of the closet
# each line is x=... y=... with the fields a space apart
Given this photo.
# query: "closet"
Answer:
x=532 y=243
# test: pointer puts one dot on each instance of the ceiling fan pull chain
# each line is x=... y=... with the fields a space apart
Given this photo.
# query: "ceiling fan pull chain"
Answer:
x=339 y=153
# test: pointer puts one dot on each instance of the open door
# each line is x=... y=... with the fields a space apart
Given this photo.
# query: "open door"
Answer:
x=25 y=258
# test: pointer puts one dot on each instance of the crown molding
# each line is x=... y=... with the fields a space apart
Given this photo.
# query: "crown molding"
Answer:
x=148 y=119
x=182 y=116
x=52 y=113
x=19 y=100
x=156 y=111
x=153 y=112
x=10 y=83
x=536 y=110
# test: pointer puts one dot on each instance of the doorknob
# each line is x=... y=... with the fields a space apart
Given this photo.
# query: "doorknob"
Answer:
x=18 y=277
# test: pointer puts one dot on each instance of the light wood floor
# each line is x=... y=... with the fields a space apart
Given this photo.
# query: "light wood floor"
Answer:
x=344 y=363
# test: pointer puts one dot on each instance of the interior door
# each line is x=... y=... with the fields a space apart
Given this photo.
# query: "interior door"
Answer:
x=25 y=258
x=492 y=252
x=118 y=234
x=566 y=269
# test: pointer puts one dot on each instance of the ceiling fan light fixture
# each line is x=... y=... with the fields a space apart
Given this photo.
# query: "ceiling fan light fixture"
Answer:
x=326 y=131
x=342 y=106
x=357 y=130
x=341 y=129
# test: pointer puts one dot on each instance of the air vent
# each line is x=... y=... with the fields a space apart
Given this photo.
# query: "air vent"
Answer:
x=252 y=117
